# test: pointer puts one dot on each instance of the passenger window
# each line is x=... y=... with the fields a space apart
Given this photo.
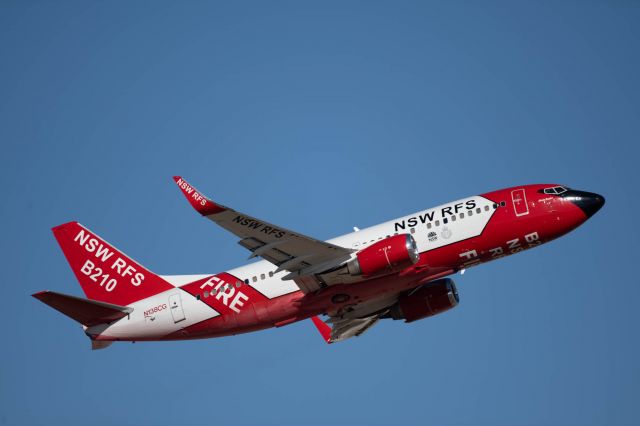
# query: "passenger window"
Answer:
x=197 y=297
x=270 y=274
x=413 y=230
x=479 y=211
x=254 y=279
x=486 y=208
x=238 y=283
x=262 y=276
x=214 y=291
x=502 y=203
x=461 y=215
x=246 y=281
x=445 y=220
x=429 y=225
x=470 y=213
x=453 y=218
x=437 y=223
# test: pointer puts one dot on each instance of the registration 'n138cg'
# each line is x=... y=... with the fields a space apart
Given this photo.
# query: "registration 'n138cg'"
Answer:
x=395 y=270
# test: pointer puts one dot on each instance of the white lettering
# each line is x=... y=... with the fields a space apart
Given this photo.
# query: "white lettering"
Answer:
x=128 y=271
x=91 y=245
x=210 y=282
x=496 y=252
x=90 y=270
x=111 y=284
x=103 y=253
x=471 y=254
x=137 y=279
x=532 y=239
x=87 y=267
x=237 y=302
x=118 y=265
x=514 y=245
x=82 y=237
x=225 y=293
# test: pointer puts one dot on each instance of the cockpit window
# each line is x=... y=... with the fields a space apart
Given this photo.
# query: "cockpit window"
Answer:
x=556 y=190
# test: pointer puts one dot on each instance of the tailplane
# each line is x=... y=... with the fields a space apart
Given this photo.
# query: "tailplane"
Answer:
x=105 y=273
x=86 y=312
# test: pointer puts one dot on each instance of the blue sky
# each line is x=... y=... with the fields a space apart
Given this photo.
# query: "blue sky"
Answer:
x=320 y=117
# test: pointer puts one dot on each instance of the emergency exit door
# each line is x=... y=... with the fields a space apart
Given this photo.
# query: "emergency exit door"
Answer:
x=175 y=304
x=519 y=200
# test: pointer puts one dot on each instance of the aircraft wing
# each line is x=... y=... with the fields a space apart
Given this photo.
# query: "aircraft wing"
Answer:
x=300 y=255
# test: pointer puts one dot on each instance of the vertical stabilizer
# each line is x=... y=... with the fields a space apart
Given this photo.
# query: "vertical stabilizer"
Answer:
x=105 y=273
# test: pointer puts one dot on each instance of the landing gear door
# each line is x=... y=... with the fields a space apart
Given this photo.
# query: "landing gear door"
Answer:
x=519 y=200
x=175 y=304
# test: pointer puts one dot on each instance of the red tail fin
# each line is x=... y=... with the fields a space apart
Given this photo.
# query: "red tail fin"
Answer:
x=105 y=274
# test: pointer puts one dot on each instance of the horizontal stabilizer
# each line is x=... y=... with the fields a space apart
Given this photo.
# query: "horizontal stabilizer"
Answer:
x=100 y=344
x=86 y=312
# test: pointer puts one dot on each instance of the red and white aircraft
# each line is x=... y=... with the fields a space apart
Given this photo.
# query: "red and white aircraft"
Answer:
x=392 y=270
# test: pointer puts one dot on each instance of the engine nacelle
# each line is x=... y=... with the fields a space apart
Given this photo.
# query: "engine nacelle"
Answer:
x=385 y=256
x=430 y=299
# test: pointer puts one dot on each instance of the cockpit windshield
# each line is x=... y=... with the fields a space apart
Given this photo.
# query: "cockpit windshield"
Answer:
x=556 y=190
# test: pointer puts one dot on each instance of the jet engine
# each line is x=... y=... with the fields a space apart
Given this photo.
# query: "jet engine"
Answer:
x=385 y=256
x=430 y=299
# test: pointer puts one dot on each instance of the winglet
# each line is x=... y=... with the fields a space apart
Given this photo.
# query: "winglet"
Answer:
x=323 y=328
x=202 y=204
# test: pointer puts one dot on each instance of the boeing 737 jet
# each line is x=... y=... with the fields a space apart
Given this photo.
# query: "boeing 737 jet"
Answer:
x=395 y=270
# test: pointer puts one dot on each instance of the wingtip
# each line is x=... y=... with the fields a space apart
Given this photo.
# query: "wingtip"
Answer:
x=323 y=328
x=198 y=201
x=39 y=294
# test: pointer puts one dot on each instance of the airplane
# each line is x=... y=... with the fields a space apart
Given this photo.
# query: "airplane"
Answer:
x=395 y=270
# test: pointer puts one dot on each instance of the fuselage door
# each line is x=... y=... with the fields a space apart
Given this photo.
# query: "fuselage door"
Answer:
x=519 y=200
x=175 y=304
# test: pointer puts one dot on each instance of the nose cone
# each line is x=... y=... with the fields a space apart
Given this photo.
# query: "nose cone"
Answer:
x=588 y=202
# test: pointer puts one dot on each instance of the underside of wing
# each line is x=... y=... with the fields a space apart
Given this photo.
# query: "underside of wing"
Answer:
x=423 y=301
x=338 y=330
x=354 y=321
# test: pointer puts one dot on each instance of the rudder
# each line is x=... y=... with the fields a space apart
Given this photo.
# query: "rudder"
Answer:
x=105 y=274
